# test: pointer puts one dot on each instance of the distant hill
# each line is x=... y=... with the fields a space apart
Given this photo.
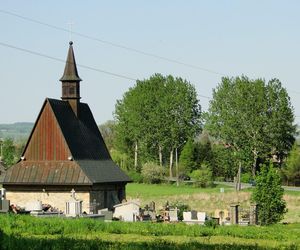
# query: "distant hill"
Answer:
x=16 y=131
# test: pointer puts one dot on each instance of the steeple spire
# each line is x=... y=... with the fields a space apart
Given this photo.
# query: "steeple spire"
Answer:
x=70 y=73
x=71 y=81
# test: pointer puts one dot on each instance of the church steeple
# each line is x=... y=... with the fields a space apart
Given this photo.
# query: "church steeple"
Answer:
x=71 y=81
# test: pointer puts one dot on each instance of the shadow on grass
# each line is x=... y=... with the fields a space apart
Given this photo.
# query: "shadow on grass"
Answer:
x=21 y=242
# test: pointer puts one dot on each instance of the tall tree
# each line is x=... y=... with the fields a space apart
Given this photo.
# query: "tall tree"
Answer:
x=107 y=130
x=291 y=167
x=268 y=195
x=157 y=115
x=253 y=118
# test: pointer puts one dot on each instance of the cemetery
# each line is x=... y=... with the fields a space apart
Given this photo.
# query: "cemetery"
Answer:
x=130 y=211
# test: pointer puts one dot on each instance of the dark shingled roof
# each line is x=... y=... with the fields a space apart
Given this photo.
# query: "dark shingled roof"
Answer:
x=103 y=171
x=84 y=172
x=46 y=173
x=81 y=133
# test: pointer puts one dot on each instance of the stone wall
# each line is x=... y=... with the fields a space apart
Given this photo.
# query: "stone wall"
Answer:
x=55 y=199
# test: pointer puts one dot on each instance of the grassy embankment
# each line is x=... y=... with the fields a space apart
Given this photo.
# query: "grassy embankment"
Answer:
x=206 y=199
x=26 y=232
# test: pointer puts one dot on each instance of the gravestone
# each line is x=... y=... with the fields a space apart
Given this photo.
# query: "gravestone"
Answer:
x=4 y=204
x=73 y=206
x=194 y=215
x=201 y=217
x=173 y=214
x=234 y=214
x=35 y=206
x=253 y=214
x=108 y=215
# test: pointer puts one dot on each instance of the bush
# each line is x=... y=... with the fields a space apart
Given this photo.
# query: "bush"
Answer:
x=246 y=178
x=135 y=176
x=211 y=223
x=202 y=177
x=152 y=173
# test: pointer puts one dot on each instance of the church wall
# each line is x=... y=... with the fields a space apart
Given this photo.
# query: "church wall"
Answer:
x=55 y=199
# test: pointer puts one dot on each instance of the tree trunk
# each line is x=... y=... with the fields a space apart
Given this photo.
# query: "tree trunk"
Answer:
x=238 y=178
x=254 y=163
x=171 y=163
x=177 y=169
x=136 y=156
x=160 y=155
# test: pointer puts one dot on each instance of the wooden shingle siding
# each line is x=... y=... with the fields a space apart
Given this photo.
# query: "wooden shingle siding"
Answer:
x=47 y=141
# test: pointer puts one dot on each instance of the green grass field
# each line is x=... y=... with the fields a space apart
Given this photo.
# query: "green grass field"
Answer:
x=26 y=232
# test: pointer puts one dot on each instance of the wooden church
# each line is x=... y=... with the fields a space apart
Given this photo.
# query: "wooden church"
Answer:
x=66 y=151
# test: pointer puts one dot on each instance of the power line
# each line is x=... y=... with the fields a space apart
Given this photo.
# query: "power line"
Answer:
x=61 y=60
x=112 y=43
x=79 y=65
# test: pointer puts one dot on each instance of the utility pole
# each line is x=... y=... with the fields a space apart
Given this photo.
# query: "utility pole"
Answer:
x=176 y=163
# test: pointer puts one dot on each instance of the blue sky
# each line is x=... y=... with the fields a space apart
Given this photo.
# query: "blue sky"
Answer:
x=260 y=39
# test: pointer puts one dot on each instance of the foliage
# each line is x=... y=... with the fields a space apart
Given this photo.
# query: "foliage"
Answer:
x=187 y=157
x=135 y=176
x=246 y=178
x=156 y=116
x=26 y=232
x=9 y=152
x=211 y=223
x=252 y=117
x=268 y=195
x=224 y=162
x=202 y=177
x=203 y=150
x=121 y=159
x=107 y=130
x=152 y=173
x=291 y=168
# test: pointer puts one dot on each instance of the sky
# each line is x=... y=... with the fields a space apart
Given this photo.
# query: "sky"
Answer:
x=207 y=39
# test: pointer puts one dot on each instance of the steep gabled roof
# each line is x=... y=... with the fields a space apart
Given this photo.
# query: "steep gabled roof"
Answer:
x=91 y=162
x=81 y=133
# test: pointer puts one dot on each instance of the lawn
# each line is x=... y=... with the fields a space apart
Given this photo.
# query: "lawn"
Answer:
x=26 y=232
x=205 y=199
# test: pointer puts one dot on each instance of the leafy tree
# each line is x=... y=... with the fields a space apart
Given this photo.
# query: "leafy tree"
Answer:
x=187 y=157
x=9 y=152
x=291 y=168
x=107 y=130
x=156 y=116
x=223 y=162
x=255 y=119
x=268 y=195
